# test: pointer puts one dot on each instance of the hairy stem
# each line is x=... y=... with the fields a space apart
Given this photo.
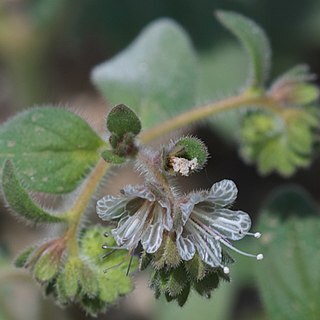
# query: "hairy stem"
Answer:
x=82 y=203
x=209 y=110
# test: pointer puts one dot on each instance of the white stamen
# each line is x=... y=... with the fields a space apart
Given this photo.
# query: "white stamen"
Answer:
x=183 y=166
x=260 y=256
x=227 y=244
x=257 y=235
x=114 y=248
x=226 y=270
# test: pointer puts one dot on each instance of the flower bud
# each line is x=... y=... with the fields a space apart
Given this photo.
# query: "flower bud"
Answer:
x=167 y=254
x=294 y=87
x=295 y=93
x=67 y=282
x=122 y=120
x=47 y=260
x=185 y=156
x=22 y=259
x=88 y=280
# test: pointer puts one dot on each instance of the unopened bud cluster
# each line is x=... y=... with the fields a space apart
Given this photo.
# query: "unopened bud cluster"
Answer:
x=123 y=125
x=83 y=278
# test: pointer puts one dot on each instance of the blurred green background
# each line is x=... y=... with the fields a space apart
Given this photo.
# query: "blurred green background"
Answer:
x=47 y=49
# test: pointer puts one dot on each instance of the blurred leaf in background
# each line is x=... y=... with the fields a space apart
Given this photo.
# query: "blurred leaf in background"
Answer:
x=288 y=277
x=155 y=75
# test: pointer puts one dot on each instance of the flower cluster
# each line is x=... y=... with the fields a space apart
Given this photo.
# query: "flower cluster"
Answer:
x=201 y=221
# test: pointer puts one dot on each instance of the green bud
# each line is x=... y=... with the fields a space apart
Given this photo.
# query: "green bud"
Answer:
x=296 y=93
x=196 y=268
x=88 y=280
x=304 y=94
x=22 y=259
x=45 y=262
x=110 y=157
x=294 y=87
x=185 y=156
x=177 y=281
x=191 y=148
x=122 y=120
x=67 y=281
x=46 y=266
x=167 y=254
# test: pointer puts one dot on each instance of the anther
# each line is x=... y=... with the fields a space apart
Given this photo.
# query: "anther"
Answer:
x=226 y=270
x=257 y=235
x=260 y=256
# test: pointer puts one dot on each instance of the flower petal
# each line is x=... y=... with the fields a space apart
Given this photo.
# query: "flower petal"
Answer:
x=110 y=207
x=187 y=207
x=165 y=210
x=231 y=224
x=130 y=228
x=185 y=248
x=152 y=237
x=139 y=191
x=223 y=193
x=208 y=248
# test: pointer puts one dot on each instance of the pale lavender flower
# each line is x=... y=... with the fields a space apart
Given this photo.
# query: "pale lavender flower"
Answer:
x=143 y=216
x=207 y=223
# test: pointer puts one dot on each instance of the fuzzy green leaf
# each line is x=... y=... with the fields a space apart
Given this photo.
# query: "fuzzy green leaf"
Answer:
x=256 y=43
x=155 y=75
x=278 y=146
x=288 y=277
x=52 y=149
x=19 y=200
